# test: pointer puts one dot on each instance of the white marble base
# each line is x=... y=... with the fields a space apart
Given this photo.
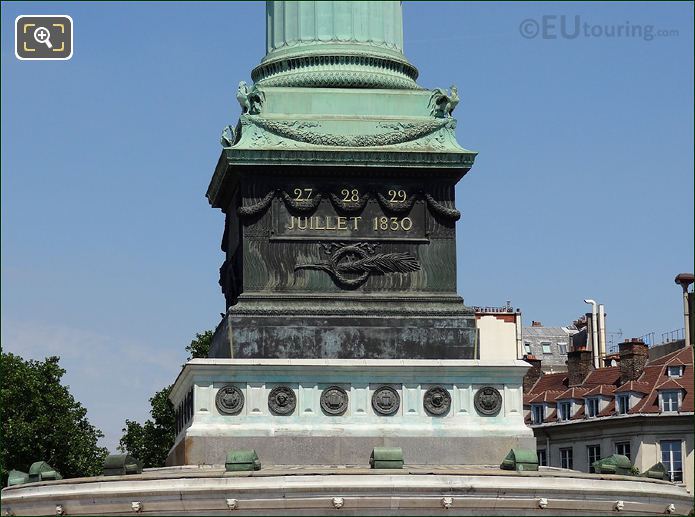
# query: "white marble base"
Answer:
x=295 y=490
x=311 y=436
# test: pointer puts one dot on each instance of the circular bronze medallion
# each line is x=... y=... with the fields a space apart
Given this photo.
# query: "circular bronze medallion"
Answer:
x=282 y=400
x=437 y=400
x=334 y=400
x=229 y=400
x=386 y=400
x=488 y=401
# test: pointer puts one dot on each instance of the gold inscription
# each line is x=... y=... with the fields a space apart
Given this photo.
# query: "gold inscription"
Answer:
x=391 y=224
x=397 y=196
x=323 y=223
x=302 y=194
x=342 y=223
x=350 y=194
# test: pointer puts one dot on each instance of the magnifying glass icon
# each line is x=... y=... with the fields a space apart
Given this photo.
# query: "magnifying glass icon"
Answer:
x=43 y=35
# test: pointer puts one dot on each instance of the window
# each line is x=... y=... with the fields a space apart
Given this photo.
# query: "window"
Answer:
x=594 y=454
x=591 y=408
x=563 y=348
x=546 y=348
x=542 y=458
x=671 y=458
x=669 y=401
x=623 y=403
x=566 y=458
x=538 y=413
x=675 y=371
x=623 y=448
x=527 y=348
x=565 y=410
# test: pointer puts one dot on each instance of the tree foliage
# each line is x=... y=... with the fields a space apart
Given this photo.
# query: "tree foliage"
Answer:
x=41 y=420
x=200 y=346
x=150 y=442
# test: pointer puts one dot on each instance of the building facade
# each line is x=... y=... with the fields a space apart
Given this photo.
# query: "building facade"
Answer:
x=640 y=408
x=549 y=344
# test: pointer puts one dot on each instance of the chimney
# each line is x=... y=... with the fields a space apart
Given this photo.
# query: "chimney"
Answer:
x=633 y=357
x=532 y=374
x=579 y=364
x=536 y=324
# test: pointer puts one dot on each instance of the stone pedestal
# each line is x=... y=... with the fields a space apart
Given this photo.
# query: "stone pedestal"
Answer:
x=334 y=412
x=365 y=326
x=340 y=227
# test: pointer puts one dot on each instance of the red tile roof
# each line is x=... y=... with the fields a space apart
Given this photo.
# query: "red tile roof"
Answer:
x=601 y=389
x=579 y=414
x=656 y=376
x=610 y=375
x=572 y=393
x=550 y=388
x=637 y=387
x=670 y=384
x=550 y=381
x=549 y=396
x=609 y=409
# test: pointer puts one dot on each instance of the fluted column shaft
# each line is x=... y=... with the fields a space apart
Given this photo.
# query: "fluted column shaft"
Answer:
x=377 y=23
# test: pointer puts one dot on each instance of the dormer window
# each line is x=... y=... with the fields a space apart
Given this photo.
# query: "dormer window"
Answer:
x=623 y=403
x=669 y=401
x=675 y=371
x=565 y=410
x=537 y=413
x=592 y=407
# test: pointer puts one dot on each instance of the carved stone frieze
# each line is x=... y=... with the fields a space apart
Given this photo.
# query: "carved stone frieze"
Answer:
x=309 y=132
x=331 y=71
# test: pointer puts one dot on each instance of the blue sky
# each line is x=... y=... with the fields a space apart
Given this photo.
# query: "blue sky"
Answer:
x=583 y=187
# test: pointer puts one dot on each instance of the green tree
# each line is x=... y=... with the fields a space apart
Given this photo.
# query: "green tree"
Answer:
x=41 y=420
x=150 y=442
x=200 y=346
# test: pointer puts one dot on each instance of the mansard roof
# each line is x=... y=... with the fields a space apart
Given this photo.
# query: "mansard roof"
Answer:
x=551 y=388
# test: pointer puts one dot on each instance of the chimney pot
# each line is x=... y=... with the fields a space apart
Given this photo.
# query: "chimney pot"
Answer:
x=536 y=324
x=633 y=356
x=579 y=364
x=533 y=374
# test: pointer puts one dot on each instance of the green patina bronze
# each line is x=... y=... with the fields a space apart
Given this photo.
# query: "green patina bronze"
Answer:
x=242 y=460
x=386 y=458
x=17 y=477
x=613 y=464
x=657 y=471
x=42 y=471
x=337 y=184
x=121 y=465
x=335 y=44
x=520 y=460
